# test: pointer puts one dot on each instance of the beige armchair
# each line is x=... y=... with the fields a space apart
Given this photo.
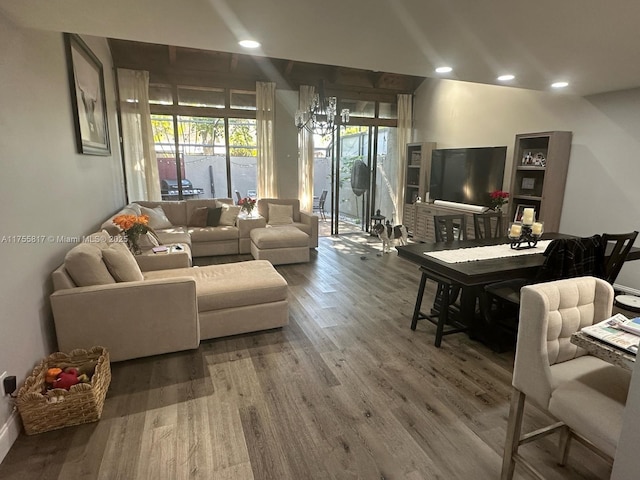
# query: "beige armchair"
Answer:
x=584 y=394
x=305 y=221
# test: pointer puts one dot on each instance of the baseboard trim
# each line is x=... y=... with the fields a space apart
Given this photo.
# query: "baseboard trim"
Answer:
x=629 y=290
x=8 y=434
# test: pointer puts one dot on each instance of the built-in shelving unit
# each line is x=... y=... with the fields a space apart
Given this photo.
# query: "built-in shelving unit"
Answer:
x=539 y=174
x=416 y=179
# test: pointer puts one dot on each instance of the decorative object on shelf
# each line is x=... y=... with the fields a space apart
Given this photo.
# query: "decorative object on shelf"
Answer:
x=526 y=231
x=520 y=211
x=539 y=160
x=320 y=115
x=527 y=159
x=133 y=226
x=247 y=205
x=528 y=183
x=498 y=199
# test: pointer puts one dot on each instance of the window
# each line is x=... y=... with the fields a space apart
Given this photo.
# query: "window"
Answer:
x=213 y=156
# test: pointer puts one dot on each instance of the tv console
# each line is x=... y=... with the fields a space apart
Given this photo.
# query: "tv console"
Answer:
x=424 y=229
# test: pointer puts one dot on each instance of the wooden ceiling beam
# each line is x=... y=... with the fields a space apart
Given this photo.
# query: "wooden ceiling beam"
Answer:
x=190 y=66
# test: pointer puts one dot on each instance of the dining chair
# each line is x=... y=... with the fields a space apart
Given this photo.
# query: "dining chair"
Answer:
x=564 y=258
x=238 y=197
x=488 y=225
x=444 y=312
x=585 y=395
x=620 y=246
x=449 y=228
x=320 y=206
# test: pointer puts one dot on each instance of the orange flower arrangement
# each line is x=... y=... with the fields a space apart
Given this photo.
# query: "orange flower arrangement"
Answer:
x=133 y=226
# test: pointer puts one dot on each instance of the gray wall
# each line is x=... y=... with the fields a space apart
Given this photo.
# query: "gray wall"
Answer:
x=48 y=189
x=601 y=194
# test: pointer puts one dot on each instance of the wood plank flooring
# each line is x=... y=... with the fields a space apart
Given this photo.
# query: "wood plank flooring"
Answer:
x=345 y=391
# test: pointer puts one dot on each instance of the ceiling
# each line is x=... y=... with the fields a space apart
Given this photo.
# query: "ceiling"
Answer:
x=592 y=44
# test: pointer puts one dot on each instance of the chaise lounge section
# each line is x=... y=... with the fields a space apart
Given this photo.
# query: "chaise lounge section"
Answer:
x=101 y=297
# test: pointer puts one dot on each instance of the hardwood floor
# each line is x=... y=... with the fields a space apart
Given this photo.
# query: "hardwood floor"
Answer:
x=345 y=391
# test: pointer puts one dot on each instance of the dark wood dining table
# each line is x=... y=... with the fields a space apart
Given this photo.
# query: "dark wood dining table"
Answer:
x=474 y=275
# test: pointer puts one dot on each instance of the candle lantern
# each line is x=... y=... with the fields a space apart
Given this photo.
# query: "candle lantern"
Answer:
x=525 y=235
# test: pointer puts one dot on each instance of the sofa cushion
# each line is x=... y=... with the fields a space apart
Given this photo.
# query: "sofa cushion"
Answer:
x=121 y=263
x=279 y=237
x=198 y=217
x=213 y=216
x=229 y=214
x=84 y=265
x=280 y=214
x=157 y=218
x=213 y=234
x=149 y=240
x=174 y=235
x=263 y=206
x=231 y=285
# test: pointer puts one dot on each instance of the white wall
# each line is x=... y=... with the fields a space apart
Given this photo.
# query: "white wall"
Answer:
x=602 y=186
x=47 y=189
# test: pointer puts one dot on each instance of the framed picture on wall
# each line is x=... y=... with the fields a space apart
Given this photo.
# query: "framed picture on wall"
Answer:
x=520 y=210
x=86 y=82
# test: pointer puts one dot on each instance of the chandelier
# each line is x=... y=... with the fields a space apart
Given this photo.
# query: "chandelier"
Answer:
x=320 y=115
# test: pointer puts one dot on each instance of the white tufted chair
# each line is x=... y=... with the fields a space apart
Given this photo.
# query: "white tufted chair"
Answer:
x=585 y=394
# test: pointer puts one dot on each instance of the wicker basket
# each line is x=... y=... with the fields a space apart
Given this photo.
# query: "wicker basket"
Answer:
x=60 y=408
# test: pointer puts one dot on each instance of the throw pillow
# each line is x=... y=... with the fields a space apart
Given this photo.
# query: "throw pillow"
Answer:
x=229 y=215
x=148 y=240
x=157 y=218
x=199 y=217
x=213 y=216
x=280 y=214
x=84 y=265
x=121 y=263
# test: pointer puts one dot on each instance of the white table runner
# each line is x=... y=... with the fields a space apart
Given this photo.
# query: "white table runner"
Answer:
x=488 y=252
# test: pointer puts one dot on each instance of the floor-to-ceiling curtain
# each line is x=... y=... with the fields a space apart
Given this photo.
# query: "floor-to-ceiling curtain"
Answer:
x=141 y=166
x=265 y=116
x=405 y=120
x=305 y=153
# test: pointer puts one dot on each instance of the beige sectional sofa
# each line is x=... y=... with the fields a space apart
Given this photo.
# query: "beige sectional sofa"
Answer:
x=221 y=240
x=101 y=297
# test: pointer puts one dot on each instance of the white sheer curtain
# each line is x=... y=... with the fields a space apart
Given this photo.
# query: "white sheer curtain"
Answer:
x=405 y=119
x=141 y=166
x=265 y=116
x=305 y=155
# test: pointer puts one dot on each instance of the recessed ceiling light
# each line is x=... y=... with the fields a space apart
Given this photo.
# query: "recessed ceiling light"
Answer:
x=443 y=69
x=249 y=43
x=560 y=84
x=506 y=78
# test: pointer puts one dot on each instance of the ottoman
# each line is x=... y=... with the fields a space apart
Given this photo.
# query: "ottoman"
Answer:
x=280 y=245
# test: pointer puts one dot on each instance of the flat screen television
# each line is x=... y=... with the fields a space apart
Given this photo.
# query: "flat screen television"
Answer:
x=466 y=175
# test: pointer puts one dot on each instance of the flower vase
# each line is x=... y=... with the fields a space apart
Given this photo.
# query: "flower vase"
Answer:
x=132 y=242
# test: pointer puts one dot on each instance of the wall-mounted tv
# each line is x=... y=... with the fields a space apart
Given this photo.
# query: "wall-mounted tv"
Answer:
x=466 y=175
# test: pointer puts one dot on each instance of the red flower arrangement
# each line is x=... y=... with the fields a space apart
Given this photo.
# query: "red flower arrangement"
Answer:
x=498 y=199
